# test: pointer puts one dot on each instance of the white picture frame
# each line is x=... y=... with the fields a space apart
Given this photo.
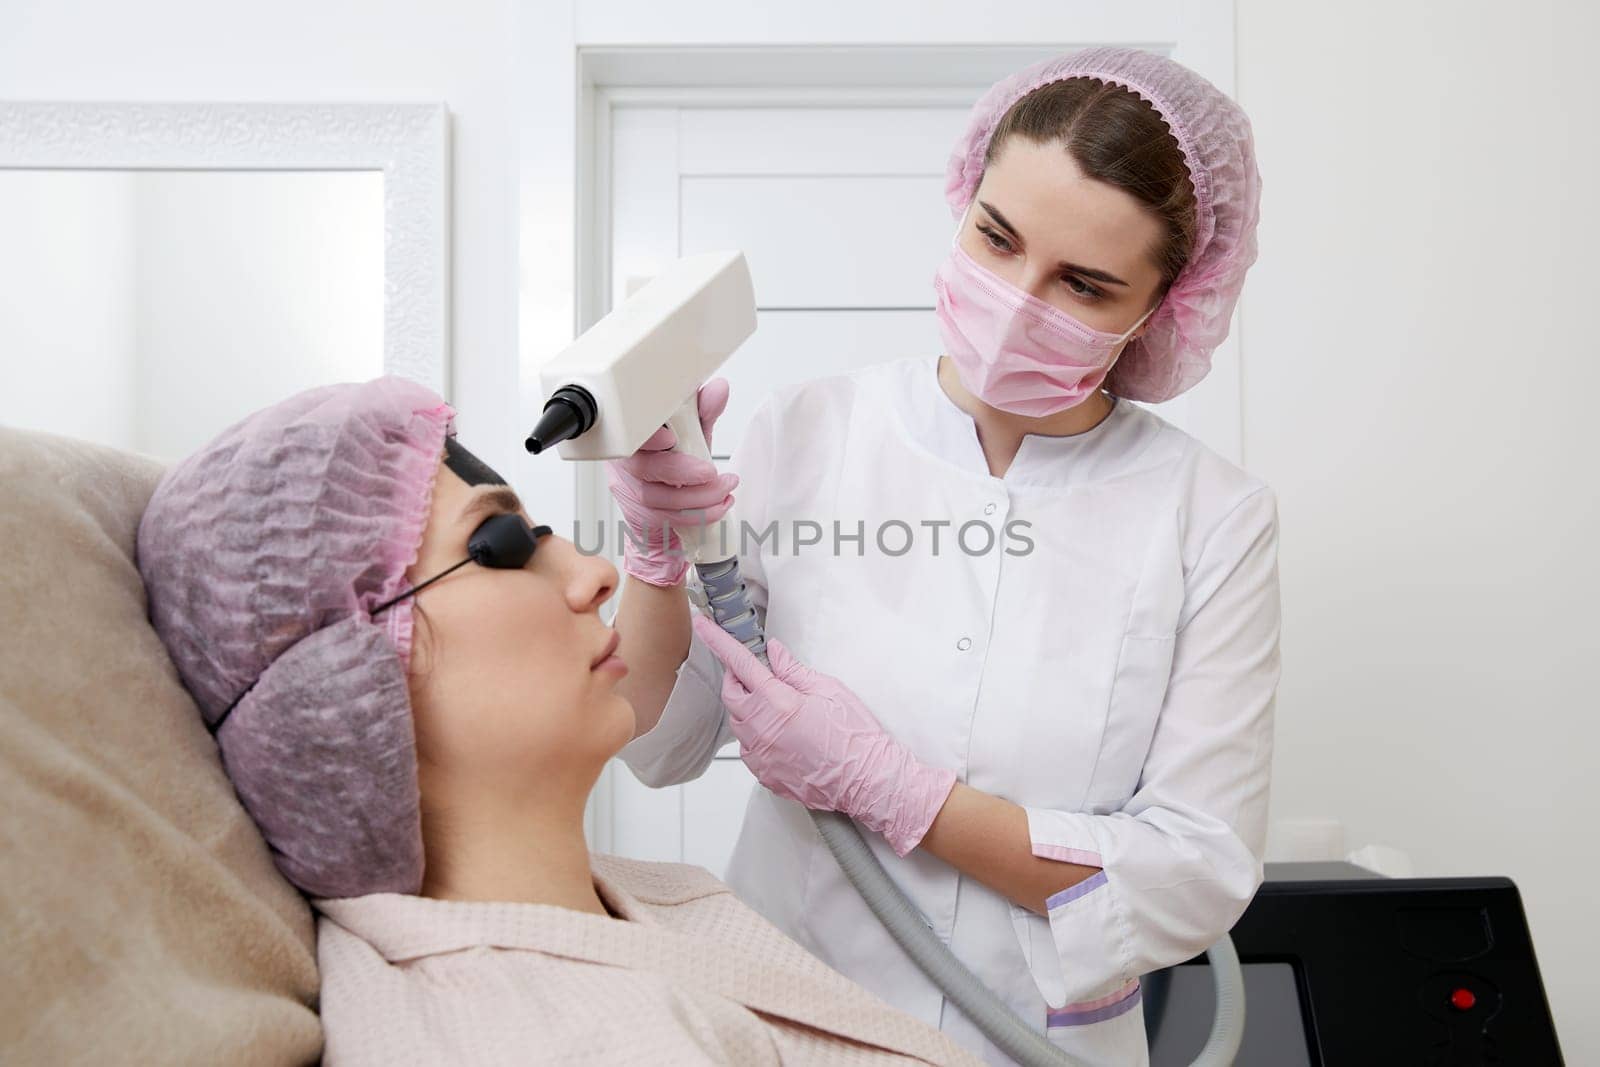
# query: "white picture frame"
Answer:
x=408 y=142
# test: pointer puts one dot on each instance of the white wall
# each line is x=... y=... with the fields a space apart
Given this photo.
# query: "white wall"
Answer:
x=1420 y=380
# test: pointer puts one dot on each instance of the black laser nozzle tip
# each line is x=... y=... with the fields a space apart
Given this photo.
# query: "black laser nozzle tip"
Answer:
x=570 y=411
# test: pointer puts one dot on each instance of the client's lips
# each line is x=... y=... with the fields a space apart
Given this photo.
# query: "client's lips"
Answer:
x=605 y=653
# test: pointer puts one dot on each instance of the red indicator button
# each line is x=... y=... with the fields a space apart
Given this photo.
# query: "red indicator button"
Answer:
x=1462 y=1000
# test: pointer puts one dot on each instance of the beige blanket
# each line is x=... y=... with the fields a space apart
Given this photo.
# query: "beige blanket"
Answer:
x=141 y=919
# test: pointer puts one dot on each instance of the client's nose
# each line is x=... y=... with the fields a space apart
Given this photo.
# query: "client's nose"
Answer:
x=590 y=580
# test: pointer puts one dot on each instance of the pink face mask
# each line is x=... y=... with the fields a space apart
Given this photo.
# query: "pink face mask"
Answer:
x=1012 y=350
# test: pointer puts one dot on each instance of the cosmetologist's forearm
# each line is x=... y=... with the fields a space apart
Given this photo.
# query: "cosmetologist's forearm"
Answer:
x=653 y=624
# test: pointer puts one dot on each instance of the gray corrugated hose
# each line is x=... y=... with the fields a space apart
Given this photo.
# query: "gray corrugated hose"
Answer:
x=729 y=603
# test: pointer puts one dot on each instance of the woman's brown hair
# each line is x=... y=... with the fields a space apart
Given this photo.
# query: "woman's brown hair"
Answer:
x=1116 y=137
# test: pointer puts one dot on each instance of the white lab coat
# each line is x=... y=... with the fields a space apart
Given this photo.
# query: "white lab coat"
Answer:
x=1111 y=667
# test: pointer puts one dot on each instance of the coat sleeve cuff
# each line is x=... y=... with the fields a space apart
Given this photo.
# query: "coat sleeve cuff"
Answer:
x=692 y=727
x=1078 y=952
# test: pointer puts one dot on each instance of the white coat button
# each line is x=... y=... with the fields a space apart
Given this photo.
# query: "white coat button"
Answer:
x=964 y=644
x=988 y=509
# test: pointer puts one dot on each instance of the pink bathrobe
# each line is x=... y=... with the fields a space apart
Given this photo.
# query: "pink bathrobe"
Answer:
x=692 y=976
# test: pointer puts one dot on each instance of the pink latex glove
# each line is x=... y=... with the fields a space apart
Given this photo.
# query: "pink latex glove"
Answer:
x=807 y=737
x=657 y=489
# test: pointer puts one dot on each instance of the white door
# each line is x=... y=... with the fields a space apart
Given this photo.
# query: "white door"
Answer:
x=841 y=215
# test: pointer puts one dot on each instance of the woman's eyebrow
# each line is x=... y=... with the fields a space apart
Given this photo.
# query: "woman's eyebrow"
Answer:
x=1087 y=272
x=497 y=499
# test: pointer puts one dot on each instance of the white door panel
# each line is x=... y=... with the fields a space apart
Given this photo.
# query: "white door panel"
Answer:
x=849 y=241
x=795 y=346
x=644 y=195
x=713 y=809
x=834 y=141
x=647 y=824
x=840 y=213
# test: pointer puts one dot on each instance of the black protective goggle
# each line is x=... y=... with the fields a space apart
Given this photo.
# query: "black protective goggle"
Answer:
x=504 y=542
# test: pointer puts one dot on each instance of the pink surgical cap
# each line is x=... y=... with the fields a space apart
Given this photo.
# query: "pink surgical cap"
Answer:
x=262 y=556
x=1214 y=135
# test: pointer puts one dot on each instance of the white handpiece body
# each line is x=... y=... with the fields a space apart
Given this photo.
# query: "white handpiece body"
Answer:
x=645 y=361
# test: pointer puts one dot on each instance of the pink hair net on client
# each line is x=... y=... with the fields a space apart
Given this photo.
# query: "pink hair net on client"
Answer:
x=1214 y=135
x=263 y=555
